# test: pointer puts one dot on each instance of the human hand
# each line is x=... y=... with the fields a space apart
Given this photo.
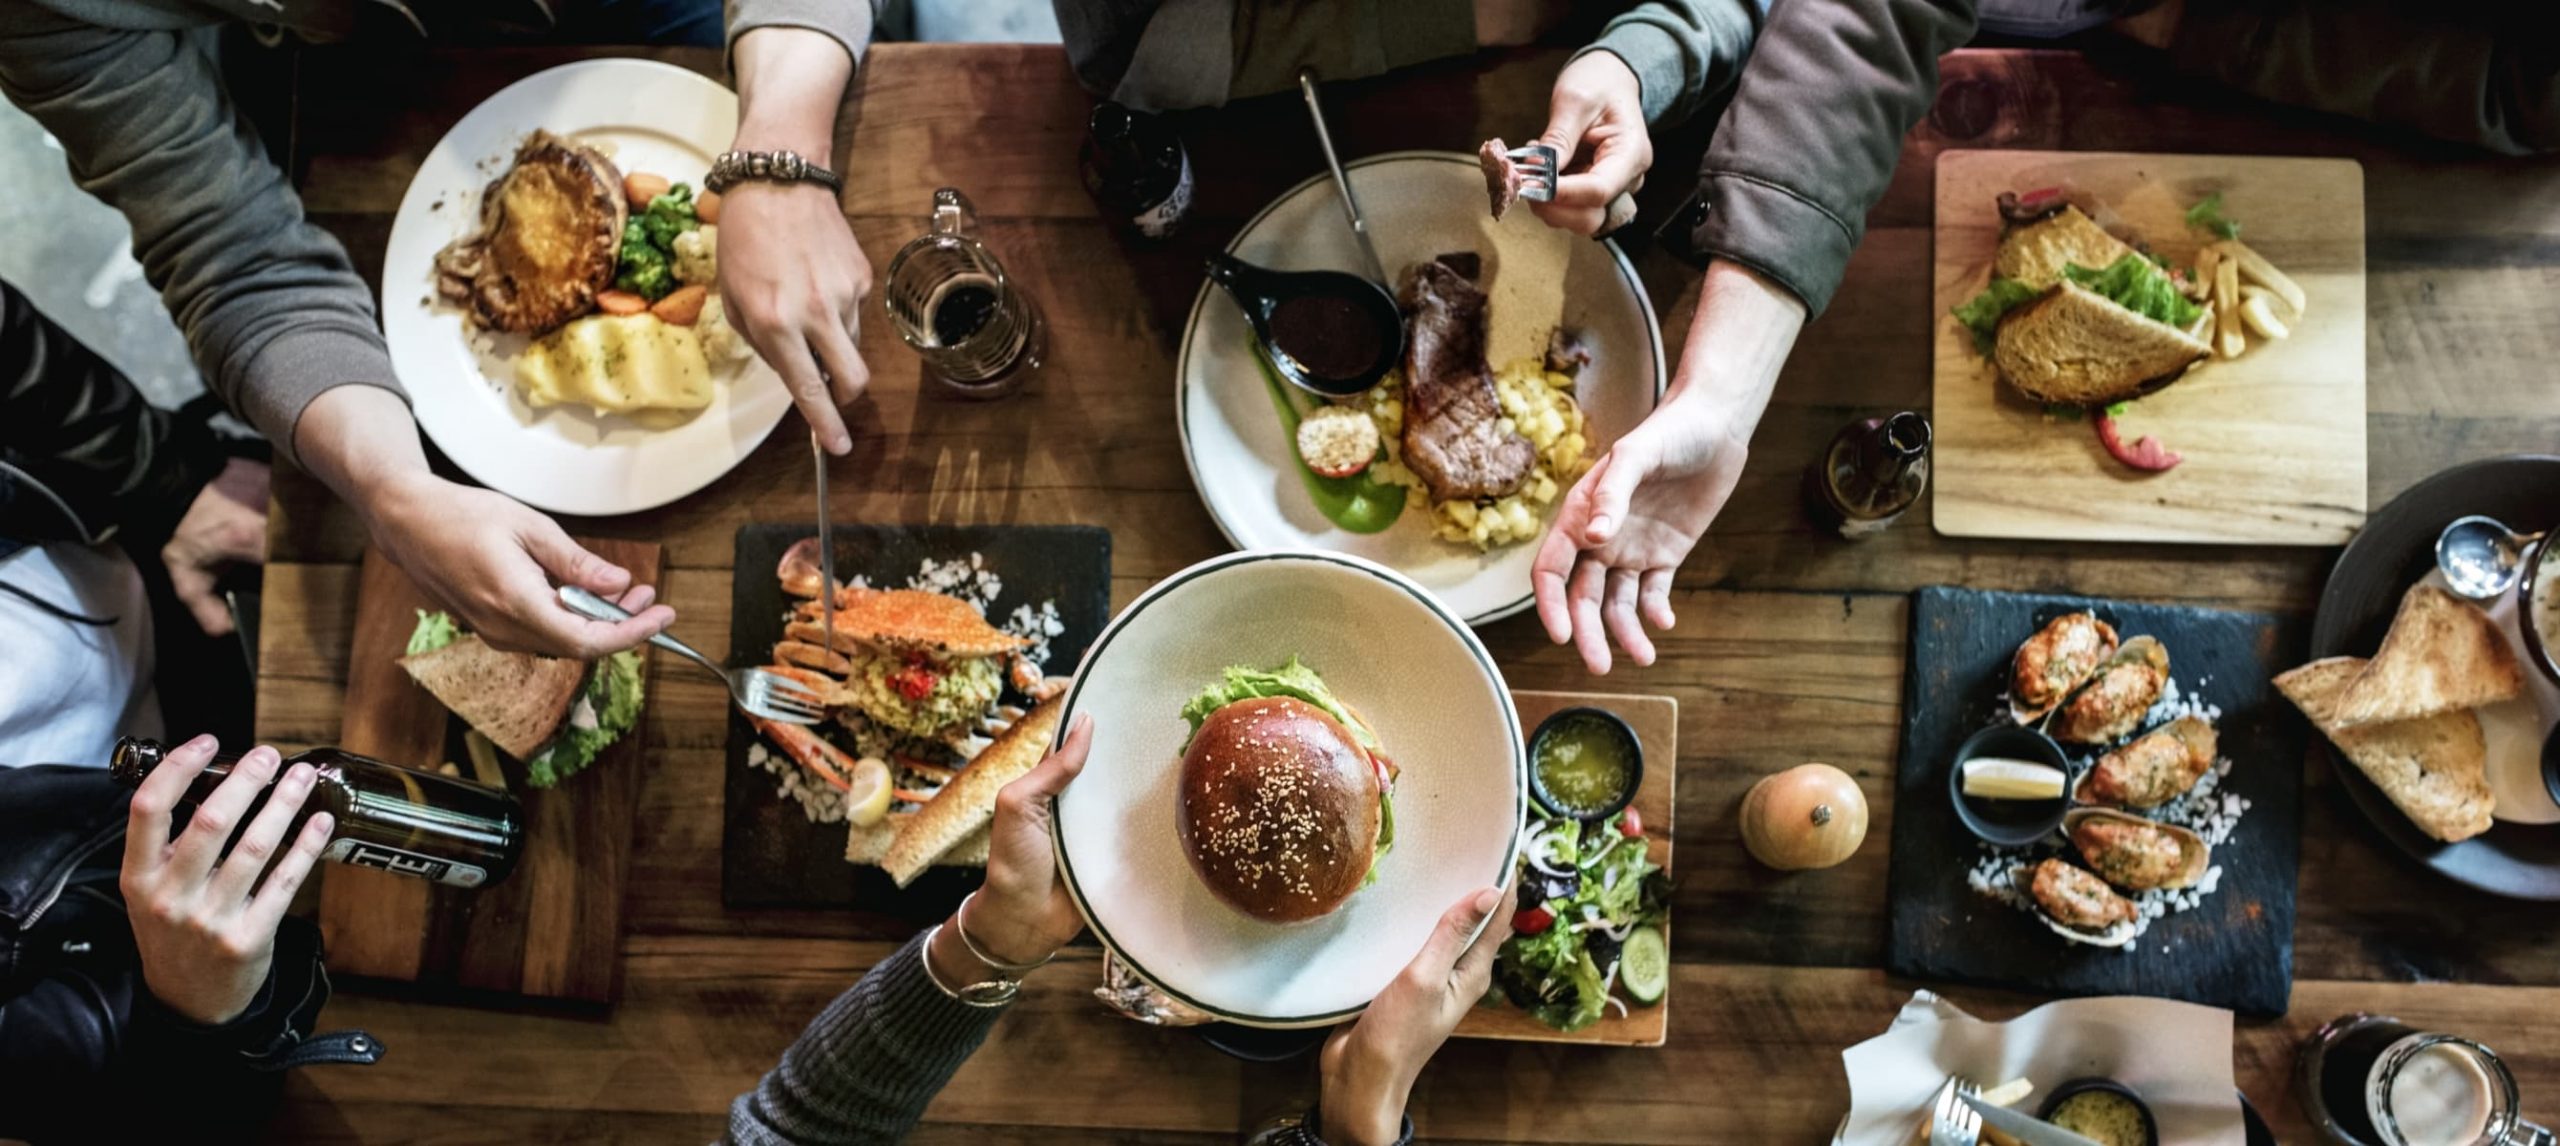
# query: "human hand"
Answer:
x=492 y=561
x=225 y=524
x=1023 y=913
x=1624 y=529
x=1595 y=121
x=793 y=280
x=1511 y=23
x=203 y=922
x=1368 y=1066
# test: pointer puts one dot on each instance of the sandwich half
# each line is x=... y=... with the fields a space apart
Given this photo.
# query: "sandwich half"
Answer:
x=555 y=715
x=2077 y=316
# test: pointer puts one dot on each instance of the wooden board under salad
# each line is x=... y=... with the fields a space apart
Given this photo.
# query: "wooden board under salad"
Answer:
x=1656 y=720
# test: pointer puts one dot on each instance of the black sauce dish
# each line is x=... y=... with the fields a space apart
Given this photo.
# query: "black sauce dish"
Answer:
x=2009 y=823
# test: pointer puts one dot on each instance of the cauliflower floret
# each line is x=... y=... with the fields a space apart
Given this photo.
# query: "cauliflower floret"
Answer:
x=697 y=255
x=720 y=341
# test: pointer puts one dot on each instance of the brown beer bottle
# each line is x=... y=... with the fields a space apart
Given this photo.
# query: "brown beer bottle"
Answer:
x=1874 y=469
x=384 y=816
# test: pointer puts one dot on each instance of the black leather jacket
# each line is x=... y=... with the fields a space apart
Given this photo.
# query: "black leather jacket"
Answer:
x=82 y=456
x=86 y=1053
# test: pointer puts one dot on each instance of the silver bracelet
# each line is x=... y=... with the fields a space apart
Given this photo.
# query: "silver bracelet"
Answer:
x=960 y=927
x=987 y=994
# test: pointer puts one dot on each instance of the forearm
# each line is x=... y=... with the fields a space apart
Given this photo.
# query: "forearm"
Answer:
x=2468 y=82
x=791 y=84
x=1745 y=327
x=1685 y=53
x=362 y=443
x=1815 y=130
x=867 y=1066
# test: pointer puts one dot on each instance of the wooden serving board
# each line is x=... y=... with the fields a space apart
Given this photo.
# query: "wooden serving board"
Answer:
x=553 y=929
x=1656 y=720
x=2235 y=948
x=2274 y=440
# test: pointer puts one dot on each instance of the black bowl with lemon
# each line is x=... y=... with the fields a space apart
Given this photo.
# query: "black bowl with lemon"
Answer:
x=1584 y=764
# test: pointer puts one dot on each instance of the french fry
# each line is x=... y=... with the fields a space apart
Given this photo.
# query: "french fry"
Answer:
x=2226 y=308
x=2261 y=317
x=2009 y=1093
x=2264 y=273
x=1992 y=1136
x=2206 y=261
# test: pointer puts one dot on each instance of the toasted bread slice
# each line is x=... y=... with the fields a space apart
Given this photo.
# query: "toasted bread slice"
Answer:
x=2442 y=654
x=517 y=700
x=2074 y=345
x=967 y=804
x=2435 y=768
x=869 y=845
x=905 y=619
x=549 y=239
x=2035 y=253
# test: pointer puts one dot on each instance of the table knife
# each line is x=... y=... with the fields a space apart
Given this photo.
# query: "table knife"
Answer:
x=826 y=549
x=2032 y=1131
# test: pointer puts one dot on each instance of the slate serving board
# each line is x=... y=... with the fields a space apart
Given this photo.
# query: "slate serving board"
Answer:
x=771 y=854
x=2235 y=949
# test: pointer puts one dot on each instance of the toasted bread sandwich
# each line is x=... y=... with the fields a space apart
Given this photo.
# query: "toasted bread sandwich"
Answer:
x=2036 y=253
x=2434 y=768
x=553 y=714
x=2075 y=315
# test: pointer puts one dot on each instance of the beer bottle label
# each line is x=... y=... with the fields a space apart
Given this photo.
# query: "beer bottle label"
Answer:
x=383 y=857
x=1159 y=221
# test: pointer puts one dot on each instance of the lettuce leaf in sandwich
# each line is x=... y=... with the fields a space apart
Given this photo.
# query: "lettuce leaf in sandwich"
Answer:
x=1298 y=682
x=2139 y=285
x=606 y=707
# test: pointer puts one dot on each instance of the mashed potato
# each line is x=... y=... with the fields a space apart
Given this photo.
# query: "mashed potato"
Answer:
x=1536 y=403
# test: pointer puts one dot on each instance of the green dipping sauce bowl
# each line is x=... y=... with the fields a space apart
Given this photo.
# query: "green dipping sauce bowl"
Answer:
x=1584 y=764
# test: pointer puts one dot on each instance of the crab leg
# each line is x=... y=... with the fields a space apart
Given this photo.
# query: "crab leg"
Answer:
x=798 y=652
x=828 y=761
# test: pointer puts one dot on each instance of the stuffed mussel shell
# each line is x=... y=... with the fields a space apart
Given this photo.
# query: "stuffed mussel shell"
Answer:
x=2077 y=905
x=2135 y=853
x=2059 y=658
x=2155 y=768
x=2117 y=695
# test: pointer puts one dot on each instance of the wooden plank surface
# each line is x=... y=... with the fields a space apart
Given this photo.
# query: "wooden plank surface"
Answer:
x=552 y=929
x=1656 y=721
x=1790 y=645
x=2274 y=440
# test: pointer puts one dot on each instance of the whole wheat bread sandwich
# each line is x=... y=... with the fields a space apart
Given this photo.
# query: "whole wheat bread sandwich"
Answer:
x=554 y=715
x=2074 y=345
x=2441 y=655
x=2434 y=768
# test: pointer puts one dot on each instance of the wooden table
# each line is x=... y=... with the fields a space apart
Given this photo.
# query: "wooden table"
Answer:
x=1789 y=649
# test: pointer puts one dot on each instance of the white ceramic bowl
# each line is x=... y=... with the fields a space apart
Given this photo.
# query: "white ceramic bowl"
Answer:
x=1388 y=648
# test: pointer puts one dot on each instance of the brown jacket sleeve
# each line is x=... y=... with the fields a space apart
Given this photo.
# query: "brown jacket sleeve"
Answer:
x=2489 y=80
x=1815 y=129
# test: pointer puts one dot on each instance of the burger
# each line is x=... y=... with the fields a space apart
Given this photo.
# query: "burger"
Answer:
x=1285 y=804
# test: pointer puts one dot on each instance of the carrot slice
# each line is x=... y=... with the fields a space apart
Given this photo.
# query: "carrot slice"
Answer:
x=620 y=302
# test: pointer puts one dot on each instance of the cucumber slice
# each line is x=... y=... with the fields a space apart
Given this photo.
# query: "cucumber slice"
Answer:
x=1644 y=967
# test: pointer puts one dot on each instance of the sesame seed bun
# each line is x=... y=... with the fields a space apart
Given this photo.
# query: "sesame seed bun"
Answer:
x=1278 y=809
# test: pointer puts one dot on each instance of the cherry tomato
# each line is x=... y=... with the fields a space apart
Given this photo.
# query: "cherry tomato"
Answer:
x=1633 y=826
x=1533 y=921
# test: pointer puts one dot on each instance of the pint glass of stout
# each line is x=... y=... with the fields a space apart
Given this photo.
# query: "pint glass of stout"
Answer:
x=2372 y=1080
x=950 y=300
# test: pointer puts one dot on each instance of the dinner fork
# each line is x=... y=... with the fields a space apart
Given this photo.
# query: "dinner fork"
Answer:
x=761 y=693
x=1953 y=1121
x=1537 y=164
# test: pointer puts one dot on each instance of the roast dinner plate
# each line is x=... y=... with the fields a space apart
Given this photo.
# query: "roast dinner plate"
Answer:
x=647 y=116
x=2520 y=855
x=1419 y=205
x=1388 y=648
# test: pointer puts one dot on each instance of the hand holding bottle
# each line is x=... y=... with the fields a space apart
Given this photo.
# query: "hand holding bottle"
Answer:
x=204 y=921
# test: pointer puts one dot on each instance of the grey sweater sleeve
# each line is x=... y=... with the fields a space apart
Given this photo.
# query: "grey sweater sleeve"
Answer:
x=1685 y=53
x=867 y=1066
x=848 y=21
x=271 y=308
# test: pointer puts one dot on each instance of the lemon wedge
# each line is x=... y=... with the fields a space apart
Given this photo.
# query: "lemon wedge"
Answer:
x=867 y=799
x=2000 y=778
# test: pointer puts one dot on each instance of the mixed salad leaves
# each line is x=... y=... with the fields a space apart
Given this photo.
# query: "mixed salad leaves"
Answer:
x=1592 y=909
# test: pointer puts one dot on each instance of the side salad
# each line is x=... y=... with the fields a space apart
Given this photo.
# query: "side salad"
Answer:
x=1590 y=923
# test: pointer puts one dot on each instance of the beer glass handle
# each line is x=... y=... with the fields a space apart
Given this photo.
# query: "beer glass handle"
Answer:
x=952 y=213
x=2528 y=1134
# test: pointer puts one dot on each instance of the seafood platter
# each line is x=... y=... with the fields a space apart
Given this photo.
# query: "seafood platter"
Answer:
x=2097 y=797
x=949 y=649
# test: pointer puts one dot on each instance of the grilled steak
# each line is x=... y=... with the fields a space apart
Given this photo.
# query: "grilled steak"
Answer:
x=1502 y=177
x=550 y=234
x=1453 y=439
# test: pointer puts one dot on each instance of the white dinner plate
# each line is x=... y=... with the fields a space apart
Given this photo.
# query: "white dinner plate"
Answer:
x=1418 y=204
x=650 y=117
x=1388 y=648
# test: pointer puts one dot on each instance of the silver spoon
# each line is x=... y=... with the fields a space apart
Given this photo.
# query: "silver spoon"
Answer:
x=2481 y=557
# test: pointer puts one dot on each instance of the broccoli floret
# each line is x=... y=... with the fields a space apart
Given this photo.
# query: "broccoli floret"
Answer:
x=645 y=270
x=670 y=215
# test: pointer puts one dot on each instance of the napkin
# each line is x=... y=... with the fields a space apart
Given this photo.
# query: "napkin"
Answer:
x=2177 y=1056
